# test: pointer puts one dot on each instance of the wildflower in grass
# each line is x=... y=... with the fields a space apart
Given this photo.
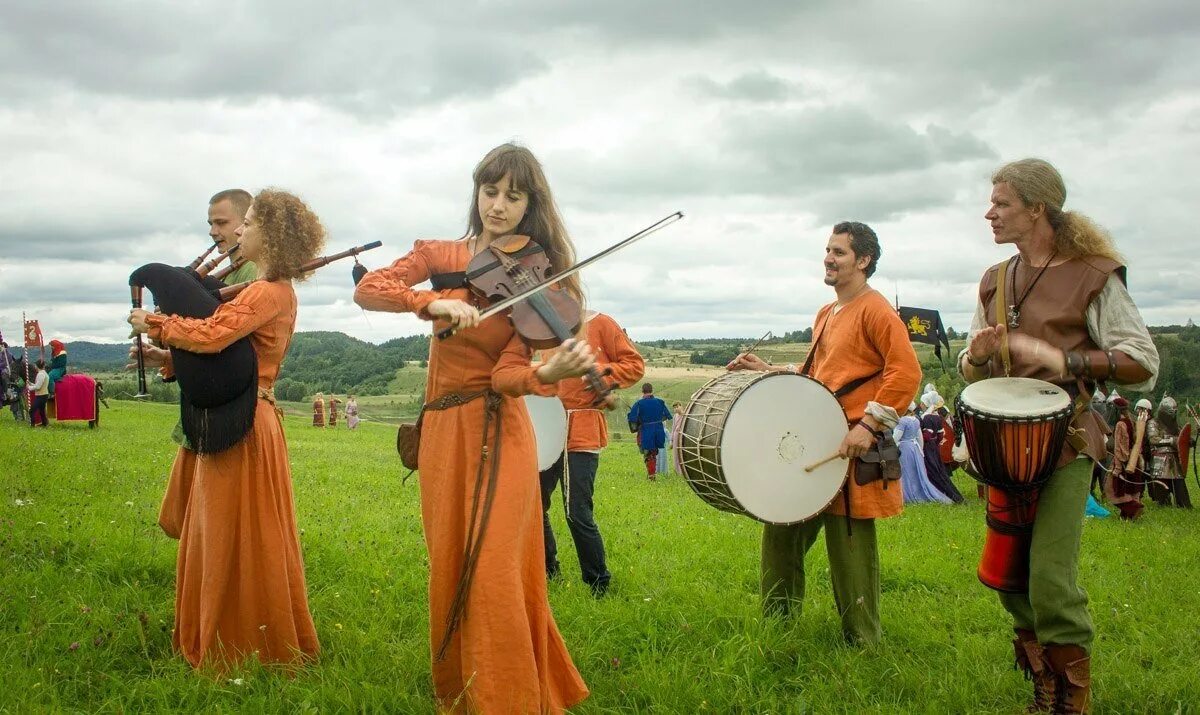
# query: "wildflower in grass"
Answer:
x=74 y=646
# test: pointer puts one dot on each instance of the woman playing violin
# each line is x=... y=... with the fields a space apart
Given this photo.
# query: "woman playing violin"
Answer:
x=495 y=645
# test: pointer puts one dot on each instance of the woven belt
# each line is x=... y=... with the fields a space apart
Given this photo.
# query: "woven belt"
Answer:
x=486 y=479
x=268 y=394
x=454 y=399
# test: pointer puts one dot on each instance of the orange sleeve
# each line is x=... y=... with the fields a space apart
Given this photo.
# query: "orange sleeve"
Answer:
x=390 y=289
x=901 y=370
x=625 y=361
x=514 y=375
x=253 y=308
x=167 y=371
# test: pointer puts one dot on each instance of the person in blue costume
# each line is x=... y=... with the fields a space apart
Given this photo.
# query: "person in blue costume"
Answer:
x=646 y=419
x=913 y=479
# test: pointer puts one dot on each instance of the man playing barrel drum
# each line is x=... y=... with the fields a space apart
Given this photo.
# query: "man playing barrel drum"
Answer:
x=1063 y=315
x=862 y=353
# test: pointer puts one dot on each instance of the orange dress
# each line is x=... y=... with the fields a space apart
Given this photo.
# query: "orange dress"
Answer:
x=507 y=656
x=239 y=580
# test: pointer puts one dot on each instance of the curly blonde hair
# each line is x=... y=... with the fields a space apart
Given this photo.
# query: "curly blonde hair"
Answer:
x=1036 y=181
x=292 y=234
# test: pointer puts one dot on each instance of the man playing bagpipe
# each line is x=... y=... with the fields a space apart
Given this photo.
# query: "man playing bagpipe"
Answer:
x=1057 y=311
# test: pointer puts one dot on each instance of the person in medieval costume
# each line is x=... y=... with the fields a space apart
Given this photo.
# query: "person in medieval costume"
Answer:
x=58 y=364
x=932 y=430
x=1169 y=486
x=333 y=410
x=914 y=480
x=1126 y=477
x=1058 y=310
x=351 y=412
x=318 y=407
x=646 y=418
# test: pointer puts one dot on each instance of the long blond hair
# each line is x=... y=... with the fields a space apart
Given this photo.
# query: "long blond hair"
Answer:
x=1036 y=181
x=542 y=221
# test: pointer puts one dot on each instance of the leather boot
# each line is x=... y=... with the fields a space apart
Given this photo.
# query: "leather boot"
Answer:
x=1031 y=659
x=1073 y=673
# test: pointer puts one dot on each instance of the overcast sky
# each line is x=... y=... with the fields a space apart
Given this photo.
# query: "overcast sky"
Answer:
x=764 y=122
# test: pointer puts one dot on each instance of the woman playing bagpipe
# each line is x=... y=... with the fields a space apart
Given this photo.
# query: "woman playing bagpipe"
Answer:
x=495 y=645
x=240 y=588
x=1058 y=312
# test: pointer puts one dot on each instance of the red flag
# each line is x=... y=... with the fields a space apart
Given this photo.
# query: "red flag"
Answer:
x=33 y=334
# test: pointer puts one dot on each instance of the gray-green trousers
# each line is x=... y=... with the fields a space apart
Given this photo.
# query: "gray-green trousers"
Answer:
x=853 y=568
x=1056 y=607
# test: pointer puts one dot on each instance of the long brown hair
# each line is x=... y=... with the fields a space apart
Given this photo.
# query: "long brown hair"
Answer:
x=541 y=222
x=1036 y=181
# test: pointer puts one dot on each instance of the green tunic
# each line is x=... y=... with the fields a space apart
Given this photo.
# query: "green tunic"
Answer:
x=247 y=272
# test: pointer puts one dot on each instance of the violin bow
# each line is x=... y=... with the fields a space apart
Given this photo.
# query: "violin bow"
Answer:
x=514 y=299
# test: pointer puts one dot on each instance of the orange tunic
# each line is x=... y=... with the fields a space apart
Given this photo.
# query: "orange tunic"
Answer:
x=507 y=656
x=240 y=576
x=863 y=337
x=587 y=430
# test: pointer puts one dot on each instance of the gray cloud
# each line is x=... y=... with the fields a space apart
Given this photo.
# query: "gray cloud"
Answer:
x=366 y=57
x=756 y=86
x=764 y=122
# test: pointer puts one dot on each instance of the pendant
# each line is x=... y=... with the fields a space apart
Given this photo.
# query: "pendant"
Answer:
x=1014 y=317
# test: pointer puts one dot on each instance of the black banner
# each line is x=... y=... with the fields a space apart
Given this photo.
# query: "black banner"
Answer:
x=925 y=326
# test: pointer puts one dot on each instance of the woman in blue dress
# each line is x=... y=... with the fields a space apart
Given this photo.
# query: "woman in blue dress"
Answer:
x=913 y=478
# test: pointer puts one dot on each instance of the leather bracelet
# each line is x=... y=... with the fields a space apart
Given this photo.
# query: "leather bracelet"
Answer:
x=867 y=427
x=1112 y=364
x=1074 y=363
x=987 y=360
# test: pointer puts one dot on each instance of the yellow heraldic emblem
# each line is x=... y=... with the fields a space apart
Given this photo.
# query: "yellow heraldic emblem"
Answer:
x=916 y=326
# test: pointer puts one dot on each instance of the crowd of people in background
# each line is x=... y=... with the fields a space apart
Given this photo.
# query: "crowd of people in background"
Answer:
x=319 y=411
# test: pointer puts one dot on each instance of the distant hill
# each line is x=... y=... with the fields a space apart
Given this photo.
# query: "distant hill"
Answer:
x=335 y=362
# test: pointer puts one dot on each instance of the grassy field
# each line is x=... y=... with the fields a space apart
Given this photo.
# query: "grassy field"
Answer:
x=86 y=589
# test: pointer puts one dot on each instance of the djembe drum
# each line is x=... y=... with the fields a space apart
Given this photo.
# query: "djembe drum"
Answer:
x=1015 y=428
x=747 y=438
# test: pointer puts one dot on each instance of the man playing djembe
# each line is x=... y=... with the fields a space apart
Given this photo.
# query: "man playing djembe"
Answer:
x=1067 y=319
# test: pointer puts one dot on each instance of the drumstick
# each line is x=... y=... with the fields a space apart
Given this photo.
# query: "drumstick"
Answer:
x=823 y=462
x=760 y=340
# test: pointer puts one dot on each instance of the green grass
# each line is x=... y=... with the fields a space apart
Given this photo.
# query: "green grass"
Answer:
x=83 y=562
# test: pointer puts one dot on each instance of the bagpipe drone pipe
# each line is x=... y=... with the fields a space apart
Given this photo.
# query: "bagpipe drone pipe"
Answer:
x=218 y=392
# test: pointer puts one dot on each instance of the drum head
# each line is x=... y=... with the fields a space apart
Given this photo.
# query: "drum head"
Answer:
x=1015 y=397
x=778 y=426
x=549 y=428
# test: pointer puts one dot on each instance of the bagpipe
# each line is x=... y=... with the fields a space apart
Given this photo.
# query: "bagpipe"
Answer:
x=218 y=392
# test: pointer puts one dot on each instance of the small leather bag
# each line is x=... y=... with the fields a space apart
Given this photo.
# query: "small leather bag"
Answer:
x=408 y=442
x=882 y=461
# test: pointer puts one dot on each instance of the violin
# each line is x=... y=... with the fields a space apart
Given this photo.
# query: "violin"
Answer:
x=512 y=265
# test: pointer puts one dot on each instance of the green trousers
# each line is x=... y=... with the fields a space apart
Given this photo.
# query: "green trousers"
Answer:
x=853 y=568
x=1055 y=608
